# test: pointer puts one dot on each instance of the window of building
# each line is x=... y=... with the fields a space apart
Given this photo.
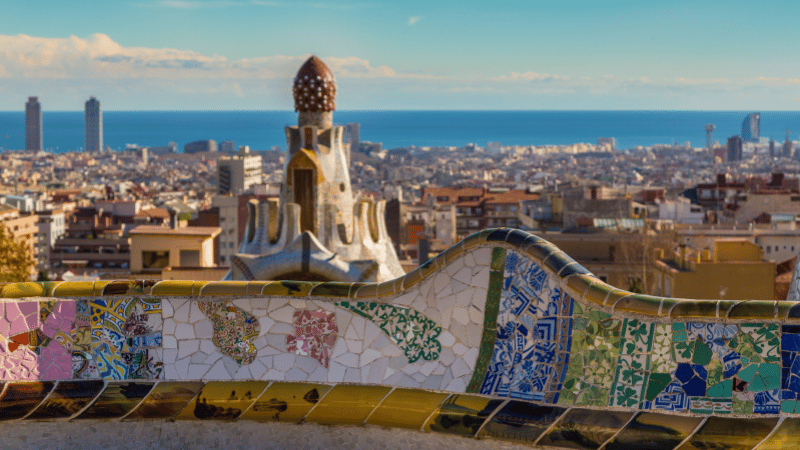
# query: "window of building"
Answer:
x=155 y=259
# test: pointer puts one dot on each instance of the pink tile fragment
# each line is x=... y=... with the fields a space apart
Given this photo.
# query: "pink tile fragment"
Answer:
x=55 y=362
x=4 y=325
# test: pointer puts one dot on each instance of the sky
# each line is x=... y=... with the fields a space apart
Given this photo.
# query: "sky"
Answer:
x=409 y=55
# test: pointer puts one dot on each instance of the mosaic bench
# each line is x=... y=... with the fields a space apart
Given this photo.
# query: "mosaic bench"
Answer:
x=502 y=337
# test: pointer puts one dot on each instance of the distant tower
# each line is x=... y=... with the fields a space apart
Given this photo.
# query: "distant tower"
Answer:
x=353 y=137
x=33 y=125
x=93 y=124
x=710 y=135
x=771 y=148
x=734 y=149
x=787 y=146
x=751 y=127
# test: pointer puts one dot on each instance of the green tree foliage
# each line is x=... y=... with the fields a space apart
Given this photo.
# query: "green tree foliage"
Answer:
x=16 y=258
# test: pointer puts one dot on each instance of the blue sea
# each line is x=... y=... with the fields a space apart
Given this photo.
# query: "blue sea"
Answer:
x=261 y=130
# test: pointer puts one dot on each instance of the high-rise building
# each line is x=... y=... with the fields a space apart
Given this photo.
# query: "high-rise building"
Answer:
x=93 y=124
x=734 y=149
x=235 y=174
x=787 y=147
x=353 y=137
x=751 y=127
x=33 y=125
x=771 y=148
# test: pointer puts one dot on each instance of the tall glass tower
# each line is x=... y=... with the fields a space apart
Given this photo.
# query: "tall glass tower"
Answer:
x=93 y=118
x=33 y=125
x=750 y=127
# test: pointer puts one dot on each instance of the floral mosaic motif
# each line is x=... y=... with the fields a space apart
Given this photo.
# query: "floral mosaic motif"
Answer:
x=412 y=331
x=36 y=340
x=633 y=366
x=593 y=357
x=235 y=330
x=124 y=337
x=531 y=351
x=314 y=335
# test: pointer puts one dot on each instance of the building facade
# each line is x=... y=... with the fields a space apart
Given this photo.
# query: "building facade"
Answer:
x=93 y=124
x=235 y=174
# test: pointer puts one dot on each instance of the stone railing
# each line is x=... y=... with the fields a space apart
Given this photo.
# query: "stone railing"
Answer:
x=502 y=336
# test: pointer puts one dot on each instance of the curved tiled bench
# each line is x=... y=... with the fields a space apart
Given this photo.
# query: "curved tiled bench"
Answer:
x=502 y=336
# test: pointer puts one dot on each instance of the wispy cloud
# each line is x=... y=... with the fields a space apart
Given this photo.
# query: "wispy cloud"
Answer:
x=413 y=20
x=75 y=66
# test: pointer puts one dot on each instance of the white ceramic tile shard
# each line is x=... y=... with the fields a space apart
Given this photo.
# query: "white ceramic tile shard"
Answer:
x=454 y=266
x=276 y=302
x=204 y=329
x=184 y=331
x=284 y=314
x=483 y=256
x=182 y=312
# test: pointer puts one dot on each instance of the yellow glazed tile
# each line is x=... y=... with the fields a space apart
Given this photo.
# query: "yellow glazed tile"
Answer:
x=462 y=415
x=369 y=290
x=286 y=402
x=74 y=289
x=786 y=436
x=428 y=267
x=222 y=400
x=354 y=287
x=412 y=278
x=288 y=288
x=99 y=286
x=385 y=288
x=598 y=292
x=452 y=252
x=256 y=287
x=331 y=289
x=117 y=288
x=753 y=310
x=640 y=304
x=225 y=288
x=198 y=286
x=579 y=284
x=440 y=262
x=347 y=404
x=615 y=295
x=476 y=239
x=173 y=287
x=782 y=309
x=689 y=308
x=166 y=399
x=406 y=408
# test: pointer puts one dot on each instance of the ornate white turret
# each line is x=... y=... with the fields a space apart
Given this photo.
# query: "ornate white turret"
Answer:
x=318 y=231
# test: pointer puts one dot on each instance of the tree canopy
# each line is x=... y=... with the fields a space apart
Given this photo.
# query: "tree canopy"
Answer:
x=16 y=258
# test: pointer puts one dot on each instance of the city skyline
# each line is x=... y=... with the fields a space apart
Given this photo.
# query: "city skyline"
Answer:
x=519 y=56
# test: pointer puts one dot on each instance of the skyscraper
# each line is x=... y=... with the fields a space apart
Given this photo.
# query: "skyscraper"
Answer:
x=93 y=120
x=751 y=127
x=734 y=149
x=33 y=125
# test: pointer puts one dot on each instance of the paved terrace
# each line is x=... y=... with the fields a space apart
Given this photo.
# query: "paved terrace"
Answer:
x=502 y=341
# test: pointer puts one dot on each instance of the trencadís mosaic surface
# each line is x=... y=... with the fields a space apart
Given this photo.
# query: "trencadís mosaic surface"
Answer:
x=502 y=336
